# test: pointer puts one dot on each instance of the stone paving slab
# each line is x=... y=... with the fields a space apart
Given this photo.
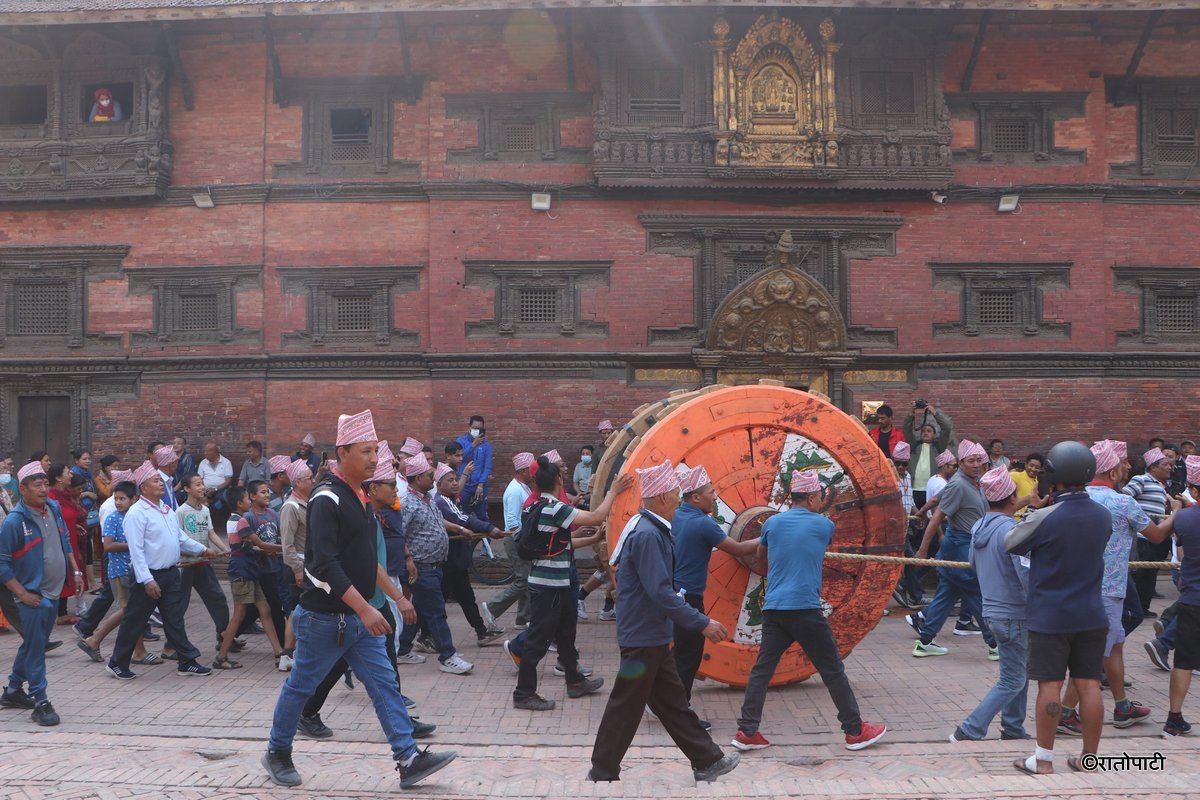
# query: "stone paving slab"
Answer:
x=203 y=737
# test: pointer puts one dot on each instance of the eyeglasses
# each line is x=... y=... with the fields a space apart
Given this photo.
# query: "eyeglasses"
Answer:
x=901 y=463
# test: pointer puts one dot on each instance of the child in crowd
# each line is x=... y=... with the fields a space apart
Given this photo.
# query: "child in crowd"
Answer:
x=244 y=571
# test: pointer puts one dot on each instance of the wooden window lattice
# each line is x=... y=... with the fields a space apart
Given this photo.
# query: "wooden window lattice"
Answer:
x=519 y=137
x=41 y=309
x=1012 y=136
x=745 y=270
x=997 y=308
x=655 y=90
x=352 y=313
x=198 y=312
x=350 y=134
x=537 y=306
x=1175 y=135
x=887 y=93
x=1175 y=314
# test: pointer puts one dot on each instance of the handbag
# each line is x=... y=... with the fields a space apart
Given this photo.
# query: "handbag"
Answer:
x=93 y=518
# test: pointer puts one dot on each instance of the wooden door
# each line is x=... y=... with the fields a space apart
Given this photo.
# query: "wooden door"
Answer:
x=44 y=423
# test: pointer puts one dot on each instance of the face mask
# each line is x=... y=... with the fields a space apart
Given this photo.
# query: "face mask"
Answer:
x=586 y=459
x=5 y=479
x=474 y=433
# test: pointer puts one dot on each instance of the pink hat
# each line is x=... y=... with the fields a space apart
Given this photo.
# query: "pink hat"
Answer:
x=967 y=448
x=442 y=471
x=298 y=470
x=144 y=473
x=1152 y=457
x=945 y=457
x=29 y=470
x=1106 y=456
x=523 y=461
x=605 y=425
x=309 y=440
x=692 y=479
x=655 y=480
x=553 y=456
x=278 y=464
x=120 y=476
x=901 y=452
x=385 y=470
x=411 y=447
x=165 y=456
x=417 y=465
x=356 y=428
x=1121 y=449
x=332 y=463
x=805 y=482
x=1193 y=470
x=997 y=484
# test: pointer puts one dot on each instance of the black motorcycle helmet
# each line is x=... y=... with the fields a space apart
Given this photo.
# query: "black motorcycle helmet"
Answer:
x=1070 y=464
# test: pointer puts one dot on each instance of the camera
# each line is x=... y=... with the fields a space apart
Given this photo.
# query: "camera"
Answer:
x=921 y=404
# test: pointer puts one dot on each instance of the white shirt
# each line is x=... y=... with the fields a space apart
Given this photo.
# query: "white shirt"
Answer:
x=106 y=508
x=215 y=474
x=515 y=495
x=934 y=486
x=155 y=538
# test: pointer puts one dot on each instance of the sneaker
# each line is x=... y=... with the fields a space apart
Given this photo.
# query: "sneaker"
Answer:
x=650 y=713
x=1159 y=654
x=1069 y=724
x=1104 y=683
x=1008 y=736
x=313 y=727
x=608 y=615
x=456 y=665
x=921 y=650
x=489 y=618
x=422 y=730
x=1176 y=728
x=150 y=636
x=17 y=699
x=155 y=619
x=968 y=628
x=1150 y=615
x=78 y=631
x=586 y=687
x=914 y=621
x=993 y=653
x=553 y=648
x=286 y=663
x=581 y=611
x=516 y=659
x=424 y=765
x=561 y=671
x=704 y=724
x=53 y=644
x=867 y=735
x=191 y=669
x=1159 y=627
x=1130 y=716
x=535 y=702
x=118 y=673
x=44 y=714
x=959 y=736
x=410 y=658
x=754 y=741
x=408 y=701
x=280 y=767
x=594 y=778
x=490 y=637
x=424 y=644
x=725 y=764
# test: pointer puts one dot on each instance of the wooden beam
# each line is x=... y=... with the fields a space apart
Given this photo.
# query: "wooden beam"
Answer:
x=1140 y=50
x=185 y=83
x=278 y=94
x=569 y=33
x=976 y=48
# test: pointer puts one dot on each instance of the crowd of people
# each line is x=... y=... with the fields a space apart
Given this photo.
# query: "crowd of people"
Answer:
x=346 y=564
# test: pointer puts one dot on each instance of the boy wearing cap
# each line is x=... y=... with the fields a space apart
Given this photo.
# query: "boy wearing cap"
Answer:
x=792 y=548
x=35 y=557
x=1004 y=584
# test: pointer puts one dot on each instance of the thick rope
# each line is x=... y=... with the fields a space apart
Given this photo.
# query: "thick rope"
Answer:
x=933 y=562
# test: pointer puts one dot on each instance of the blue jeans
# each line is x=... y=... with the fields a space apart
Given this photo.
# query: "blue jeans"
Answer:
x=1168 y=634
x=955 y=585
x=1008 y=697
x=430 y=603
x=317 y=650
x=30 y=664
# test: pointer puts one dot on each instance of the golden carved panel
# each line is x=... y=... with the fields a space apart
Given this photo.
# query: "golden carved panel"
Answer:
x=876 y=376
x=689 y=377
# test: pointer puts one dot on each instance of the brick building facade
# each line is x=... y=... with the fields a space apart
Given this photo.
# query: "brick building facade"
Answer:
x=804 y=193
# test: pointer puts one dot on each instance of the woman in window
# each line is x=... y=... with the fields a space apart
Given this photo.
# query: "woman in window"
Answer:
x=106 y=108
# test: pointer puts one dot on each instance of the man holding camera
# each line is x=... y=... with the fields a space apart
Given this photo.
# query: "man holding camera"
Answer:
x=476 y=451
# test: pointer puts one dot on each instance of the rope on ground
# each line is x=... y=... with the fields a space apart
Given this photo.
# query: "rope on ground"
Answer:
x=933 y=562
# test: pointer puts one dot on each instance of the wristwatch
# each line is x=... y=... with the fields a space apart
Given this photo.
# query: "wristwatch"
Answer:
x=78 y=574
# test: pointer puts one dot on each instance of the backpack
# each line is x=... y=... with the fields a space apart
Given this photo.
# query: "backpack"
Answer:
x=533 y=542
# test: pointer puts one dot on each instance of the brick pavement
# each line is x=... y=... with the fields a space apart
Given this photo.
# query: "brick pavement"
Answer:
x=202 y=737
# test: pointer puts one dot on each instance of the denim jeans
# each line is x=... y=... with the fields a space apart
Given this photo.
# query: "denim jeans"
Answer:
x=955 y=585
x=1168 y=635
x=317 y=650
x=1008 y=697
x=431 y=609
x=30 y=664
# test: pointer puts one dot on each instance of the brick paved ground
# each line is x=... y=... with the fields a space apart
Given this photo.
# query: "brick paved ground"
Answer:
x=202 y=738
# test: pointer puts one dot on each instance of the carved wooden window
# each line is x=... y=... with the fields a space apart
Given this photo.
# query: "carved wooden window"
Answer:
x=1175 y=313
x=519 y=136
x=350 y=306
x=1001 y=300
x=537 y=299
x=194 y=305
x=351 y=134
x=654 y=91
x=198 y=312
x=1174 y=136
x=24 y=105
x=1170 y=305
x=353 y=313
x=518 y=127
x=40 y=308
x=1017 y=127
x=887 y=95
x=1168 y=127
x=1011 y=136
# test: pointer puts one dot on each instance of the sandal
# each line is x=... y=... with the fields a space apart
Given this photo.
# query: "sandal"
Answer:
x=69 y=619
x=1076 y=763
x=92 y=652
x=1023 y=767
x=150 y=659
x=223 y=662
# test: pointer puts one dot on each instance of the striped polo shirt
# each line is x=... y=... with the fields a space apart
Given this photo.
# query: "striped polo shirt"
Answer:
x=1149 y=494
x=554 y=571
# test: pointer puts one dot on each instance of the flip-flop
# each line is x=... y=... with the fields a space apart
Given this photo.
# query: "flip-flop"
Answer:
x=1022 y=767
x=92 y=652
x=150 y=659
x=1076 y=763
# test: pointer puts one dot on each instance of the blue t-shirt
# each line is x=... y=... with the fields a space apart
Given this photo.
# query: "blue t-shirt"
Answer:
x=1187 y=531
x=695 y=534
x=796 y=542
x=117 y=564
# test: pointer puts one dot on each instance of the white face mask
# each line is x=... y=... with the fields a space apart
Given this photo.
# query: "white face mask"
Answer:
x=586 y=459
x=474 y=433
x=5 y=479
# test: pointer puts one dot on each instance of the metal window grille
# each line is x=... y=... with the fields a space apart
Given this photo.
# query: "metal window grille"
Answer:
x=198 y=312
x=41 y=309
x=1175 y=314
x=520 y=137
x=887 y=93
x=352 y=312
x=1011 y=136
x=350 y=134
x=1175 y=136
x=535 y=306
x=653 y=90
x=997 y=308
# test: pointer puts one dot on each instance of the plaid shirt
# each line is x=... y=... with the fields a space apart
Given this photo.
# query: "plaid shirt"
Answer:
x=906 y=492
x=424 y=530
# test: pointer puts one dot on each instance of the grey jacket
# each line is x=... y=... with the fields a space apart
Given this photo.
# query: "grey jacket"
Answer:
x=1003 y=578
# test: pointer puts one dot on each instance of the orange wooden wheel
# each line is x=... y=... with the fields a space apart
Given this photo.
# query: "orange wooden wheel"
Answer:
x=751 y=439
